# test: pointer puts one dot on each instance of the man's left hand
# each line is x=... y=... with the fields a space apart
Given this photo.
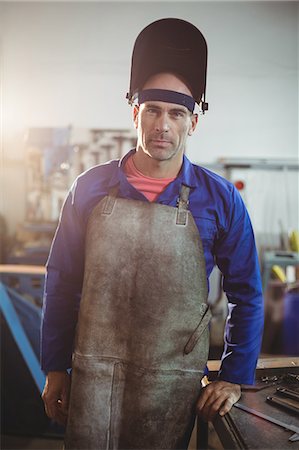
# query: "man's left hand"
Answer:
x=217 y=397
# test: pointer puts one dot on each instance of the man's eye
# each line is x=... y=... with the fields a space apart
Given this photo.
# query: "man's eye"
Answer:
x=151 y=111
x=178 y=114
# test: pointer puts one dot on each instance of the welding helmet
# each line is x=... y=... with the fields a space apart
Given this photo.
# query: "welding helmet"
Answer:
x=170 y=45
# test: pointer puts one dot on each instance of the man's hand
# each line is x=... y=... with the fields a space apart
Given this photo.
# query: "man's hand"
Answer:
x=56 y=396
x=217 y=397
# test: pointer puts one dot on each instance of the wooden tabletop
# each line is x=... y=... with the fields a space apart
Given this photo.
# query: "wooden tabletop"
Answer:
x=22 y=269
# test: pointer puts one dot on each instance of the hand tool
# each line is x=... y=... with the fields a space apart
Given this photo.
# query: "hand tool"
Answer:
x=288 y=393
x=292 y=377
x=294 y=428
x=284 y=403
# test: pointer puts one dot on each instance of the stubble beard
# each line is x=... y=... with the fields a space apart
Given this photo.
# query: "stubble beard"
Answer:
x=160 y=152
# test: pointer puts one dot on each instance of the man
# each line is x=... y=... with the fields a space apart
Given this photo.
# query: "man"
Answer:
x=151 y=227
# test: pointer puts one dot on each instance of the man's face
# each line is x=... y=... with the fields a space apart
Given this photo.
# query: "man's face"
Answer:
x=162 y=127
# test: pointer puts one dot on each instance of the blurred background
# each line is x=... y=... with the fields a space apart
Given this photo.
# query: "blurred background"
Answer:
x=64 y=74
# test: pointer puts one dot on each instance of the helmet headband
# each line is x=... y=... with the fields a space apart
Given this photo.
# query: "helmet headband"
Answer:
x=164 y=95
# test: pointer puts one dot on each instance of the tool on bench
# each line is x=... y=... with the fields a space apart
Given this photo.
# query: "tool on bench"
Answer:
x=264 y=383
x=284 y=403
x=292 y=377
x=267 y=381
x=293 y=438
x=288 y=393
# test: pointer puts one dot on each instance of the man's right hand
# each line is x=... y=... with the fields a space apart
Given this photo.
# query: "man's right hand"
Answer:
x=56 y=395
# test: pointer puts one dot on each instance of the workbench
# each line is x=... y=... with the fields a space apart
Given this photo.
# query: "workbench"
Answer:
x=242 y=430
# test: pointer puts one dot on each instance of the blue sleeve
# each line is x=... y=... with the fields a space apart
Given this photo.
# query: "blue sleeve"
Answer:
x=236 y=256
x=63 y=284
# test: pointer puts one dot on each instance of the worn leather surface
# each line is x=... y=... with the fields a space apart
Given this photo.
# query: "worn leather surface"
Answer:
x=134 y=386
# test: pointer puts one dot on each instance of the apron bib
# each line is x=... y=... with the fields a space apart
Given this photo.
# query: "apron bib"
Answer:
x=142 y=338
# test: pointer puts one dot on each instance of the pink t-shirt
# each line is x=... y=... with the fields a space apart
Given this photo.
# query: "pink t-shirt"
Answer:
x=150 y=187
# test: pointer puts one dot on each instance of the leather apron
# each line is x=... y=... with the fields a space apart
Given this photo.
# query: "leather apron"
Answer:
x=142 y=338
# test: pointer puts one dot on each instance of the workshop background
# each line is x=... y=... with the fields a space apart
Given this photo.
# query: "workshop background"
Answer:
x=64 y=75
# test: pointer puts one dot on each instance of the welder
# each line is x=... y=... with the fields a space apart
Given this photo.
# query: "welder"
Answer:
x=125 y=304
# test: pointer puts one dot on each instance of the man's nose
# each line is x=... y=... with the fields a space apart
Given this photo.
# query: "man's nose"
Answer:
x=162 y=123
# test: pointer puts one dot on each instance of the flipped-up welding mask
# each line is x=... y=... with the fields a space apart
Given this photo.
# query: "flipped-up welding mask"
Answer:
x=175 y=46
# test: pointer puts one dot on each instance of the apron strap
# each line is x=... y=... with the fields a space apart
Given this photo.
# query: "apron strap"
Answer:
x=182 y=206
x=183 y=202
x=110 y=201
x=194 y=338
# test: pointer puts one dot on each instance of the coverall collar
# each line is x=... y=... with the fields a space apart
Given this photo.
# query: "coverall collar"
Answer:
x=186 y=175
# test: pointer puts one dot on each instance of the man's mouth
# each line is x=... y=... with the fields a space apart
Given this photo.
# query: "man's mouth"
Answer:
x=161 y=142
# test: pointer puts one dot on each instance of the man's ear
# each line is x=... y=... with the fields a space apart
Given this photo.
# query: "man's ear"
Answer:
x=194 y=121
x=135 y=115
